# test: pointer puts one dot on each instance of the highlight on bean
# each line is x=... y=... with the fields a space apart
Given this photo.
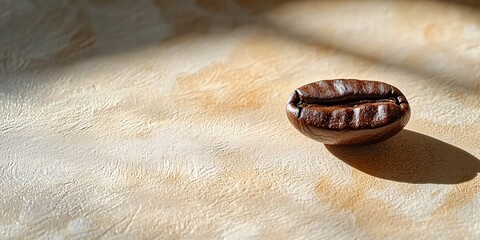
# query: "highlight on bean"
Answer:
x=348 y=111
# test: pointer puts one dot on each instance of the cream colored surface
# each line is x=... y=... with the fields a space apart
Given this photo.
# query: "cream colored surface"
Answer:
x=165 y=119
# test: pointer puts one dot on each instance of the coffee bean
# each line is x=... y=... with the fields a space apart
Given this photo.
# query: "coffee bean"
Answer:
x=348 y=111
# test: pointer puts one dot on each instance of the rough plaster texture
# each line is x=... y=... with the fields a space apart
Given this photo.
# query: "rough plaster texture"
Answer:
x=165 y=119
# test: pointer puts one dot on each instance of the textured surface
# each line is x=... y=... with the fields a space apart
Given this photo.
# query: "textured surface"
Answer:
x=142 y=119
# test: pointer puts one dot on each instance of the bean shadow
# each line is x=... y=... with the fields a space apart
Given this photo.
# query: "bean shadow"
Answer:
x=413 y=158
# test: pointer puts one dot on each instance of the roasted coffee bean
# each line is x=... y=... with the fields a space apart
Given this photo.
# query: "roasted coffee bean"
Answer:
x=348 y=111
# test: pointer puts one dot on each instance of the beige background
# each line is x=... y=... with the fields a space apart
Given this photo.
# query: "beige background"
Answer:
x=165 y=119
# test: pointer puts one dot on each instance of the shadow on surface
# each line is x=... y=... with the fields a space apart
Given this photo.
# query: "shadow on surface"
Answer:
x=42 y=35
x=470 y=3
x=411 y=157
x=52 y=34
